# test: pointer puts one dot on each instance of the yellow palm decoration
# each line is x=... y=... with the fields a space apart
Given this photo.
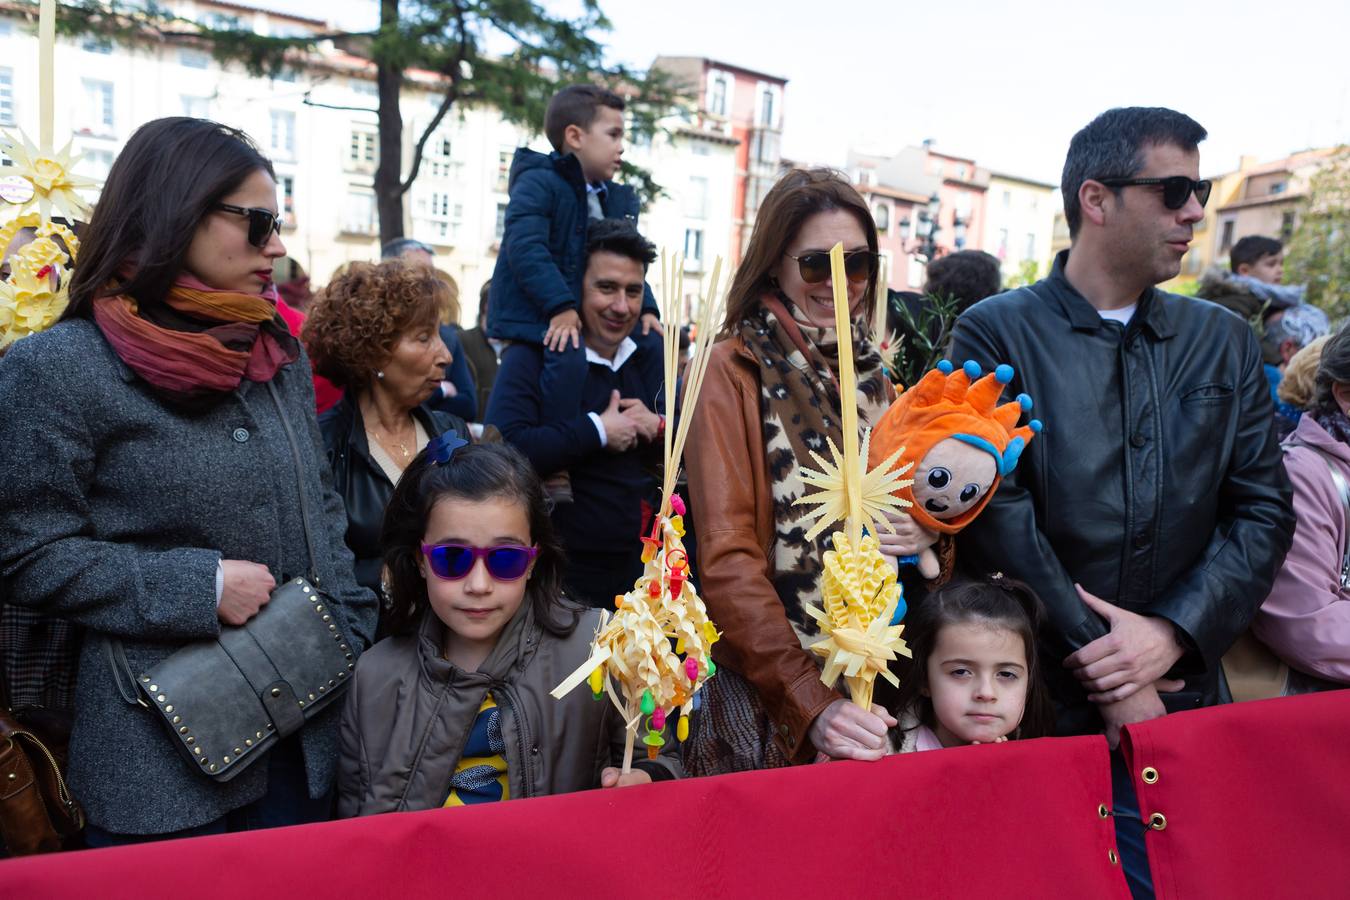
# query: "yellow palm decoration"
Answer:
x=859 y=588
x=54 y=186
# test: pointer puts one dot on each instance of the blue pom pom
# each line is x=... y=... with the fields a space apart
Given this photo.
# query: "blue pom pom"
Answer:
x=945 y=366
x=972 y=369
x=1011 y=455
x=1035 y=426
x=1004 y=373
x=1025 y=402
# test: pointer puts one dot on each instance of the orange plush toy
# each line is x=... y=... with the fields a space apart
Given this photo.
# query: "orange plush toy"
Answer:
x=960 y=441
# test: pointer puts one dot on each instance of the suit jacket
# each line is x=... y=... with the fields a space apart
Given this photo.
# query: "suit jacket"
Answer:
x=115 y=509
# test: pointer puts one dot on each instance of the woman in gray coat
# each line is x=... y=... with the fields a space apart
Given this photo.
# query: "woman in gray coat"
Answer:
x=148 y=491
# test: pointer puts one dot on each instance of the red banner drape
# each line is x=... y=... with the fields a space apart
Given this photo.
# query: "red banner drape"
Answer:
x=1013 y=820
x=1254 y=798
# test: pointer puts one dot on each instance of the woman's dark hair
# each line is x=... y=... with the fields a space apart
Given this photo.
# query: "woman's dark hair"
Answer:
x=1000 y=602
x=1332 y=369
x=797 y=196
x=474 y=473
x=163 y=183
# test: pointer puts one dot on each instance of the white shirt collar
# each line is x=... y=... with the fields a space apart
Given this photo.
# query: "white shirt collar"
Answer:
x=626 y=349
x=595 y=188
x=1122 y=315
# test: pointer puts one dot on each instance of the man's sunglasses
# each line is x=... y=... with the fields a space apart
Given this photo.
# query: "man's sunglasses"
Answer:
x=1176 y=189
x=262 y=223
x=814 y=267
x=505 y=562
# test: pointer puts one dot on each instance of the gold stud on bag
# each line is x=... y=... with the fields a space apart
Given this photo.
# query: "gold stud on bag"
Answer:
x=226 y=702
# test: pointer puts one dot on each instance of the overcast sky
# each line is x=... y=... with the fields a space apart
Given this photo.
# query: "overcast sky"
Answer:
x=1005 y=83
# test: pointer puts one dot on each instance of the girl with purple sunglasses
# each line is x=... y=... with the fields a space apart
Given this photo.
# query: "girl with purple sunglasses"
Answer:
x=453 y=709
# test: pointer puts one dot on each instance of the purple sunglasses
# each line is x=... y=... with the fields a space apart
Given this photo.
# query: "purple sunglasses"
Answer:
x=505 y=562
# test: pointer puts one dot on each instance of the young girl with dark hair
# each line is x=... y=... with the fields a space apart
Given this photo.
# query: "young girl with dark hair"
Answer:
x=158 y=443
x=974 y=678
x=454 y=708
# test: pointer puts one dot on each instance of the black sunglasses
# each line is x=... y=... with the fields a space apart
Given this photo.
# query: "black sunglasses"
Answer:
x=1177 y=189
x=814 y=267
x=262 y=223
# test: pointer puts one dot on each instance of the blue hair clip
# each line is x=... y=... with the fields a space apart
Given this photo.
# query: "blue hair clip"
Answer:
x=442 y=448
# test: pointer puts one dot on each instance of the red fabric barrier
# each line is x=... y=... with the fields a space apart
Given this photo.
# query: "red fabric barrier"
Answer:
x=1254 y=798
x=1013 y=820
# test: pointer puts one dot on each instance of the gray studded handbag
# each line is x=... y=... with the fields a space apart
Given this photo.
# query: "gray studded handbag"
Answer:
x=227 y=700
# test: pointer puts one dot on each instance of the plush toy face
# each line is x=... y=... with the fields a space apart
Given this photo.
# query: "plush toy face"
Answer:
x=952 y=478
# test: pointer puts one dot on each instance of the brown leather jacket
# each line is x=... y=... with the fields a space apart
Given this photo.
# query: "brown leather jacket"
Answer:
x=732 y=505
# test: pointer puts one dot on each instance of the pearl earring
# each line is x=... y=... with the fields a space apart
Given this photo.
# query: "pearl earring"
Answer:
x=379 y=375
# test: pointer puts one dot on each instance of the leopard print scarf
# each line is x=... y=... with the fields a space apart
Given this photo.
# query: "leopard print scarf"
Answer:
x=799 y=406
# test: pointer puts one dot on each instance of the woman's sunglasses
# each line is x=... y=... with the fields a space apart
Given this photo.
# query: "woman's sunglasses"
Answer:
x=262 y=223
x=505 y=562
x=1176 y=189
x=814 y=267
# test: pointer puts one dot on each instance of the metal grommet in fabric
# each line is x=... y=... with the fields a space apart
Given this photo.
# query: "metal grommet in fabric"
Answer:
x=240 y=435
x=1157 y=821
x=1103 y=811
x=1150 y=775
x=1111 y=855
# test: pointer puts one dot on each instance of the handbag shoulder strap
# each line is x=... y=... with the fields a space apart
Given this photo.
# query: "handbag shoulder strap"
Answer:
x=299 y=484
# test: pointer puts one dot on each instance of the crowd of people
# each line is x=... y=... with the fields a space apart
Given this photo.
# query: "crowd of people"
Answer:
x=465 y=501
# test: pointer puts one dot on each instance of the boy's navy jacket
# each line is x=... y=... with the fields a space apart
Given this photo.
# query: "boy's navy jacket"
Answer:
x=543 y=253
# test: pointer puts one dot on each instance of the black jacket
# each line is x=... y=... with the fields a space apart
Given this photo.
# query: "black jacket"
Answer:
x=360 y=481
x=1156 y=482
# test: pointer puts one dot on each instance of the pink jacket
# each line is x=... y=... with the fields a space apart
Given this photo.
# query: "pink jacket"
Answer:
x=1306 y=618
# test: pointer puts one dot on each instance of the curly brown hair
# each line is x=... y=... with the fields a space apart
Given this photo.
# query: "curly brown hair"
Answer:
x=355 y=322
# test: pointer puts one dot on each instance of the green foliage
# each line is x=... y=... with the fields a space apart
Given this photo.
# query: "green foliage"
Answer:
x=1027 y=273
x=1318 y=254
x=535 y=51
x=923 y=336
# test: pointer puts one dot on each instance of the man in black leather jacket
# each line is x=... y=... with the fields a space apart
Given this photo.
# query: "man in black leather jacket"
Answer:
x=1153 y=511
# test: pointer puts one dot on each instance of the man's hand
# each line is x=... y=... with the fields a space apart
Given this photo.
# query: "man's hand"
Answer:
x=650 y=323
x=648 y=423
x=1140 y=706
x=247 y=588
x=620 y=431
x=843 y=731
x=1138 y=651
x=612 y=777
x=564 y=327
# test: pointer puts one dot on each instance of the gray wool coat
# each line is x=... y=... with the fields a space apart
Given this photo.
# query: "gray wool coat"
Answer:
x=114 y=511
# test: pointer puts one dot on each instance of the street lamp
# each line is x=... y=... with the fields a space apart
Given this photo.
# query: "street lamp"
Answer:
x=928 y=228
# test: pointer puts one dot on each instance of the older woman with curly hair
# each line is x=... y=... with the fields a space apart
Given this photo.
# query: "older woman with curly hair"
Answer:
x=374 y=331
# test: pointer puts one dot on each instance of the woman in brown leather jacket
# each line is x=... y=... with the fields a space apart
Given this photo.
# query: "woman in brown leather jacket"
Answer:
x=769 y=398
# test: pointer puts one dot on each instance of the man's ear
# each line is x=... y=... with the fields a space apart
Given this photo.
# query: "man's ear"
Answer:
x=572 y=136
x=1092 y=198
x=1244 y=269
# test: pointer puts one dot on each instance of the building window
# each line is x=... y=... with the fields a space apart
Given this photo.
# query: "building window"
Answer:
x=287 y=75
x=1031 y=247
x=504 y=169
x=1279 y=187
x=196 y=107
x=963 y=205
x=283 y=133
x=1002 y=243
x=693 y=244
x=362 y=153
x=768 y=106
x=6 y=96
x=95 y=164
x=719 y=87
x=193 y=59
x=286 y=198
x=360 y=217
x=1226 y=240
x=500 y=228
x=1287 y=226
x=98 y=97
x=1007 y=200
x=93 y=44
x=696 y=198
x=363 y=87
x=961 y=172
x=917 y=274
x=881 y=212
x=764 y=147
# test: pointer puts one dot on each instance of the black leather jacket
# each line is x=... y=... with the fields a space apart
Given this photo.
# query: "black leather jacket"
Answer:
x=1156 y=482
x=360 y=481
